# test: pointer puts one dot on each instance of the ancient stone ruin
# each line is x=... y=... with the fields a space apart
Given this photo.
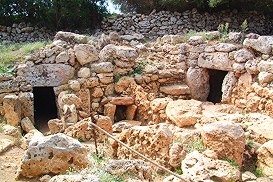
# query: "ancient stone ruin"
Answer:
x=160 y=98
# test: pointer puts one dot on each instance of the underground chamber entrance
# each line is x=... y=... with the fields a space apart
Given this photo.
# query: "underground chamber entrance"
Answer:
x=120 y=113
x=44 y=107
x=216 y=78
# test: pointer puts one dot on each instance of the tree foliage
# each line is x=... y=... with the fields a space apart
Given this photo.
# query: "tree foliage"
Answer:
x=58 y=14
x=146 y=6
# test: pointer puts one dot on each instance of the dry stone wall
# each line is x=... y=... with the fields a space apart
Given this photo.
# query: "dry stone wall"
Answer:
x=24 y=33
x=162 y=23
x=124 y=78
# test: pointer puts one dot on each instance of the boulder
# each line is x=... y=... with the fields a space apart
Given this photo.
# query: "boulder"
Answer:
x=265 y=158
x=198 y=167
x=74 y=85
x=52 y=154
x=226 y=139
x=198 y=81
x=70 y=115
x=184 y=112
x=85 y=53
x=263 y=44
x=137 y=167
x=216 y=60
x=175 y=89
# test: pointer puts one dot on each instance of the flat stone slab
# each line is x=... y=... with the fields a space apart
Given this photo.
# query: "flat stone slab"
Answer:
x=49 y=75
x=122 y=101
x=217 y=60
x=5 y=144
x=175 y=89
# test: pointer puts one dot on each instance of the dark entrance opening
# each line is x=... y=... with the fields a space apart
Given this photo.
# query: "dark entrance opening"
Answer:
x=216 y=78
x=44 y=106
x=120 y=113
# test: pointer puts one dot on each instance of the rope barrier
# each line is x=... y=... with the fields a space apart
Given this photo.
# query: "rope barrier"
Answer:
x=136 y=152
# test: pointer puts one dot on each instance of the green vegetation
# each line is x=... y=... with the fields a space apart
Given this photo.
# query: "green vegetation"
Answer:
x=258 y=172
x=116 y=78
x=71 y=171
x=224 y=30
x=106 y=177
x=179 y=171
x=244 y=26
x=55 y=14
x=250 y=142
x=196 y=144
x=11 y=53
x=146 y=6
x=232 y=163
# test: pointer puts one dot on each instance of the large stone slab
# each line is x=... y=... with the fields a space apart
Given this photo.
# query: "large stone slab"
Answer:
x=175 y=89
x=49 y=75
x=217 y=60
x=263 y=44
x=198 y=81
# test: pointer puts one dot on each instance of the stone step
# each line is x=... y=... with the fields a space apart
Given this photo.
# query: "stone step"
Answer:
x=175 y=89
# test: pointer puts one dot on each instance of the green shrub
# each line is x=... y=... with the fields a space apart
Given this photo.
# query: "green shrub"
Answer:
x=232 y=163
x=196 y=144
x=258 y=172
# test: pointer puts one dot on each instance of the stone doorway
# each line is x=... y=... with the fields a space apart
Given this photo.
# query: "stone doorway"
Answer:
x=120 y=113
x=44 y=107
x=216 y=78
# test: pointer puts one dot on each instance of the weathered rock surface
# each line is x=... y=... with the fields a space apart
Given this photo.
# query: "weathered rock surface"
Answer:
x=198 y=81
x=197 y=167
x=47 y=74
x=5 y=144
x=71 y=37
x=175 y=89
x=217 y=60
x=52 y=154
x=263 y=44
x=138 y=167
x=265 y=158
x=184 y=112
x=27 y=125
x=226 y=139
x=85 y=53
x=152 y=141
x=12 y=108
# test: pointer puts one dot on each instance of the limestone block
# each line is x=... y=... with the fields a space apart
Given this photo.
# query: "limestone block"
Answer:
x=85 y=53
x=12 y=108
x=52 y=154
x=263 y=44
x=49 y=75
x=184 y=112
x=175 y=89
x=226 y=139
x=198 y=82
x=218 y=60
